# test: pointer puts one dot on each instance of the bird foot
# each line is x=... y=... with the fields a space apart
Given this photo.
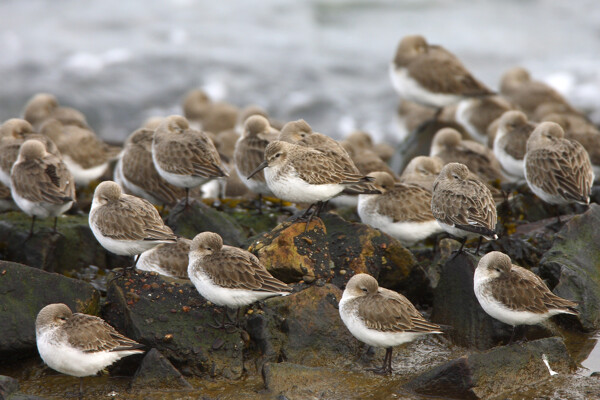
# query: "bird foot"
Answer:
x=380 y=371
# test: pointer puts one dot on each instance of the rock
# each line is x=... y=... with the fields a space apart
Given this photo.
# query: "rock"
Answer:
x=198 y=217
x=495 y=372
x=333 y=250
x=74 y=248
x=8 y=386
x=23 y=293
x=294 y=381
x=156 y=371
x=169 y=315
x=572 y=267
x=303 y=328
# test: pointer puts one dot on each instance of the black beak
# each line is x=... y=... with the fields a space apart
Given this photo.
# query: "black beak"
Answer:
x=260 y=167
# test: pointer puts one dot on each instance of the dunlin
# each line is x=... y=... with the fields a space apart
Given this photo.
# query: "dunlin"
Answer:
x=380 y=317
x=557 y=170
x=126 y=225
x=448 y=145
x=250 y=152
x=183 y=156
x=510 y=143
x=13 y=132
x=79 y=344
x=422 y=171
x=463 y=206
x=228 y=276
x=43 y=106
x=41 y=184
x=366 y=160
x=431 y=75
x=209 y=116
x=170 y=259
x=402 y=210
x=304 y=175
x=519 y=88
x=86 y=156
x=476 y=115
x=137 y=172
x=515 y=295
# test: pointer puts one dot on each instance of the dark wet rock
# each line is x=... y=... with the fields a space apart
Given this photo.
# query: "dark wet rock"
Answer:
x=495 y=372
x=572 y=265
x=24 y=291
x=293 y=381
x=198 y=217
x=156 y=371
x=8 y=386
x=71 y=250
x=169 y=315
x=333 y=250
x=304 y=328
x=455 y=305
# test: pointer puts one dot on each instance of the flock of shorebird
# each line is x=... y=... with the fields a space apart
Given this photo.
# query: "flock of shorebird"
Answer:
x=454 y=189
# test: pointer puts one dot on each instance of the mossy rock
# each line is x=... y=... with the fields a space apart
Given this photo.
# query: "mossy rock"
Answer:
x=24 y=291
x=171 y=316
x=74 y=246
x=572 y=265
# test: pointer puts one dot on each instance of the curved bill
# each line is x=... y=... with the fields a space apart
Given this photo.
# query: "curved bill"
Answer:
x=260 y=167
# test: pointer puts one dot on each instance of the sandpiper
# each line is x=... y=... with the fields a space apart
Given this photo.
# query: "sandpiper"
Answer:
x=228 y=276
x=137 y=173
x=207 y=115
x=380 y=317
x=463 y=206
x=41 y=184
x=183 y=156
x=477 y=113
x=79 y=344
x=557 y=170
x=448 y=145
x=126 y=225
x=510 y=143
x=13 y=132
x=402 y=210
x=250 y=152
x=422 y=171
x=515 y=295
x=170 y=259
x=431 y=75
x=86 y=156
x=304 y=175
x=517 y=86
x=45 y=105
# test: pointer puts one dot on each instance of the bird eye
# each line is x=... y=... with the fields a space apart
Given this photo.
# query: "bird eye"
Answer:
x=277 y=155
x=497 y=269
x=364 y=289
x=455 y=176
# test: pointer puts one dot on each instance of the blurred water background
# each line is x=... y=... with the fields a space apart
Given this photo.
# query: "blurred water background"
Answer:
x=323 y=60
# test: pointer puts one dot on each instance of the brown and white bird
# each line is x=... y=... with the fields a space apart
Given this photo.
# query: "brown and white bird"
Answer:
x=403 y=211
x=380 y=317
x=557 y=170
x=79 y=344
x=183 y=156
x=126 y=225
x=422 y=171
x=515 y=295
x=229 y=276
x=136 y=173
x=448 y=145
x=41 y=184
x=206 y=115
x=86 y=156
x=250 y=152
x=43 y=106
x=510 y=143
x=463 y=206
x=477 y=113
x=431 y=75
x=169 y=259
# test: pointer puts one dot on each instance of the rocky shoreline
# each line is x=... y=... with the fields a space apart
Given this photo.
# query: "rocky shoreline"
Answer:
x=296 y=346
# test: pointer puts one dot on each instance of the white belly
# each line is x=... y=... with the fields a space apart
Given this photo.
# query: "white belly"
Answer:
x=409 y=89
x=83 y=176
x=184 y=181
x=291 y=188
x=39 y=209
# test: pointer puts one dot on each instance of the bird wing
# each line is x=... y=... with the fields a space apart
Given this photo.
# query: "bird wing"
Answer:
x=46 y=180
x=316 y=168
x=406 y=203
x=91 y=334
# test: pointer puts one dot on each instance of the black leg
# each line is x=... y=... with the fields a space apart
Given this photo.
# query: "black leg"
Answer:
x=187 y=197
x=478 y=245
x=512 y=337
x=316 y=211
x=31 y=228
x=135 y=260
x=55 y=220
x=388 y=353
x=259 y=204
x=462 y=244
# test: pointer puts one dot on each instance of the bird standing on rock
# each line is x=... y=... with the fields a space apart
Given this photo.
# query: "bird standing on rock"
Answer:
x=183 y=156
x=463 y=206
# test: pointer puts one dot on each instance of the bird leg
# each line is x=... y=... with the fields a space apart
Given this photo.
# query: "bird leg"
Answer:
x=478 y=245
x=187 y=197
x=319 y=206
x=386 y=367
x=31 y=228
x=259 y=204
x=226 y=325
x=462 y=244
x=80 y=388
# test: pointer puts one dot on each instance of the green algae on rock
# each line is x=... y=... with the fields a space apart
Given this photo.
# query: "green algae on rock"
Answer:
x=24 y=291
